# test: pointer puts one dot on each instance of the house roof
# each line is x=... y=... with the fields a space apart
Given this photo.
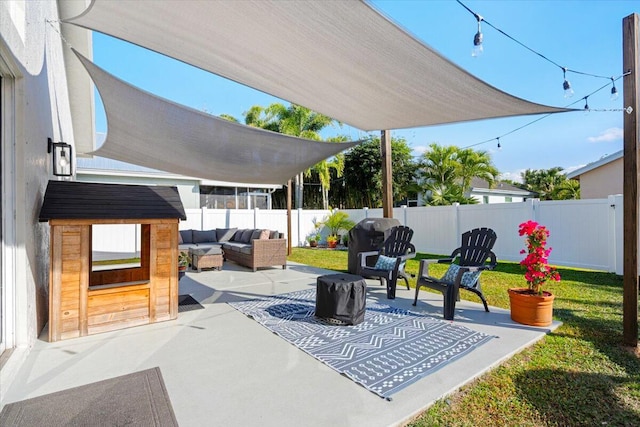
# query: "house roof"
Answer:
x=83 y=200
x=499 y=187
x=598 y=163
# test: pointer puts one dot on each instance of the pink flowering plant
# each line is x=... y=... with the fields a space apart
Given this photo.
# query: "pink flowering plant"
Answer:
x=535 y=263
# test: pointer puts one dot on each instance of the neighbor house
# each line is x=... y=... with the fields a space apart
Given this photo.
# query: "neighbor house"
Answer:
x=195 y=193
x=602 y=178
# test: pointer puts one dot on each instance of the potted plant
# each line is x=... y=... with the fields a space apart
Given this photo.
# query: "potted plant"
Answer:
x=533 y=305
x=183 y=262
x=313 y=240
x=336 y=221
x=345 y=240
x=332 y=241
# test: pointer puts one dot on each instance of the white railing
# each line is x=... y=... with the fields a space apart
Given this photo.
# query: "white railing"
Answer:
x=584 y=233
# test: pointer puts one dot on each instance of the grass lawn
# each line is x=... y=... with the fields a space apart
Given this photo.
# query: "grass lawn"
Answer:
x=579 y=375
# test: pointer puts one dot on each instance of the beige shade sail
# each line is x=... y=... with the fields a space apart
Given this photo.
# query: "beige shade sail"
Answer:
x=340 y=58
x=146 y=130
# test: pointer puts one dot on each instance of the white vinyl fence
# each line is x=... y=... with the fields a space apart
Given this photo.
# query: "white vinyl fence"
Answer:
x=584 y=233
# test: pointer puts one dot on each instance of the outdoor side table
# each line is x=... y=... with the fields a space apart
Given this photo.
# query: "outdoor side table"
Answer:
x=206 y=258
x=341 y=298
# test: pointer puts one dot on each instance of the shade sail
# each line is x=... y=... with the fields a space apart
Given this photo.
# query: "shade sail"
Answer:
x=340 y=58
x=146 y=130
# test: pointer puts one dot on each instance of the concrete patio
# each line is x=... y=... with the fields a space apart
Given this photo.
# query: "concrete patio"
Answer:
x=222 y=368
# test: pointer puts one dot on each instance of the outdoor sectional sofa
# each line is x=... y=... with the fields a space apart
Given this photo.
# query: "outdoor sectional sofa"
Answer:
x=253 y=248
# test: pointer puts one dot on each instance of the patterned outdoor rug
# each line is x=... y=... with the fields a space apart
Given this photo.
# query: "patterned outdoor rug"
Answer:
x=390 y=350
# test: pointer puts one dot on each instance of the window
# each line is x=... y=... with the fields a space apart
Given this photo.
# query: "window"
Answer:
x=508 y=199
x=485 y=199
x=115 y=246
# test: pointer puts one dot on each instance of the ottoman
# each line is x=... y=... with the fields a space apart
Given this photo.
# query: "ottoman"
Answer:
x=206 y=258
x=341 y=298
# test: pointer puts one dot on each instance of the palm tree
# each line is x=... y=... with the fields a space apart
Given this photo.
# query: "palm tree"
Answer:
x=475 y=164
x=567 y=190
x=297 y=121
x=439 y=171
x=543 y=181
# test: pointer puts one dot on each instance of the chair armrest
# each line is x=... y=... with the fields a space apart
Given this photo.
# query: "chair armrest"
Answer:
x=424 y=265
x=364 y=255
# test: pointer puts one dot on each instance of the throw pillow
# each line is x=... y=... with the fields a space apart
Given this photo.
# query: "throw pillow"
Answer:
x=187 y=236
x=255 y=235
x=468 y=279
x=385 y=263
x=205 y=236
x=180 y=238
x=225 y=234
x=273 y=234
x=264 y=235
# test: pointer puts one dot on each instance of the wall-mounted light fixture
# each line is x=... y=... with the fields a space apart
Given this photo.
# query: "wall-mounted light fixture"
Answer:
x=62 y=157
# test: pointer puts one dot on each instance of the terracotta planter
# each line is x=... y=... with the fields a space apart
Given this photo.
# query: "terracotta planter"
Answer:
x=313 y=243
x=529 y=309
x=332 y=244
x=182 y=269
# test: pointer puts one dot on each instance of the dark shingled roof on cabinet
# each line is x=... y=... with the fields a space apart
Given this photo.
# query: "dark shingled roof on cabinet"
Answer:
x=84 y=200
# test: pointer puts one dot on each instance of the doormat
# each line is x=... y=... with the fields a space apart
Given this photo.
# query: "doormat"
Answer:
x=188 y=303
x=139 y=399
x=390 y=350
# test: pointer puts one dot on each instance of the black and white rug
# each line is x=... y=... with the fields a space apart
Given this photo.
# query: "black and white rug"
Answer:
x=390 y=350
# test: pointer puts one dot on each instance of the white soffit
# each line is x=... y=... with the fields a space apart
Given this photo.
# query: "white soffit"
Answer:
x=150 y=131
x=340 y=58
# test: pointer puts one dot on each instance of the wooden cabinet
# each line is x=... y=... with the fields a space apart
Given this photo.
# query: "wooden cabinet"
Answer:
x=82 y=302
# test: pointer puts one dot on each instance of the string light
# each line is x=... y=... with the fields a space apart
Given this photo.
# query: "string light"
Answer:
x=627 y=110
x=499 y=146
x=477 y=40
x=586 y=104
x=614 y=91
x=568 y=91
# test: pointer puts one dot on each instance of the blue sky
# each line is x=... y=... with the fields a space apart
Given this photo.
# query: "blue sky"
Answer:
x=583 y=35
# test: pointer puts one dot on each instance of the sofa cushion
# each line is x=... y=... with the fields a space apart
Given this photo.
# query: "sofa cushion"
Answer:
x=187 y=236
x=234 y=246
x=246 y=250
x=237 y=236
x=225 y=234
x=246 y=236
x=186 y=246
x=180 y=239
x=205 y=236
x=209 y=245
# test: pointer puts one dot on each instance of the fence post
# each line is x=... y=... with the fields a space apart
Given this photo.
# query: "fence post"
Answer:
x=202 y=216
x=456 y=215
x=404 y=215
x=255 y=216
x=298 y=228
x=366 y=212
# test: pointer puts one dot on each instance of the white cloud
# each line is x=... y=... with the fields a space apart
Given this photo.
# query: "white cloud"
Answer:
x=512 y=176
x=611 y=134
x=419 y=150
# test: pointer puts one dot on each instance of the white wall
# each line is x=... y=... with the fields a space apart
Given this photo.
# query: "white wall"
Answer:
x=35 y=107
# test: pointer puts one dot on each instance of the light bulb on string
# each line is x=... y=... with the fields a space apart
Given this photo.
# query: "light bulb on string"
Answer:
x=586 y=104
x=499 y=146
x=477 y=40
x=614 y=90
x=568 y=91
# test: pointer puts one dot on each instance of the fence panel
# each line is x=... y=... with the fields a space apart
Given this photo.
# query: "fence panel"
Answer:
x=434 y=229
x=504 y=219
x=580 y=232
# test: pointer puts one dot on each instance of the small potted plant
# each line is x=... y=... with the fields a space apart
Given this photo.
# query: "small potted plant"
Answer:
x=332 y=241
x=336 y=221
x=533 y=305
x=183 y=262
x=313 y=240
x=345 y=240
